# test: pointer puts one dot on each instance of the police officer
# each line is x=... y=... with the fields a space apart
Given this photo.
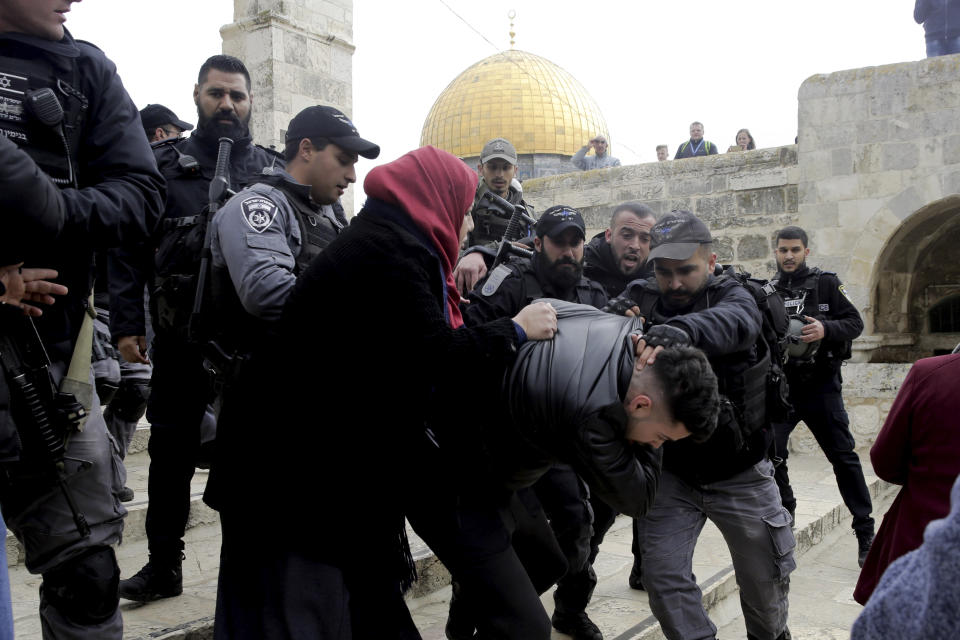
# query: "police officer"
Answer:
x=269 y=232
x=815 y=384
x=179 y=388
x=64 y=102
x=161 y=123
x=498 y=174
x=728 y=478
x=126 y=384
x=617 y=256
x=555 y=271
x=263 y=238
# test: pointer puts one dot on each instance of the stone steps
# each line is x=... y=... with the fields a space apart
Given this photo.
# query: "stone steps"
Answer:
x=622 y=613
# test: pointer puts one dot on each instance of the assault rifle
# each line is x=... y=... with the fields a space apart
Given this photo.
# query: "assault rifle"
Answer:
x=517 y=217
x=45 y=416
x=217 y=194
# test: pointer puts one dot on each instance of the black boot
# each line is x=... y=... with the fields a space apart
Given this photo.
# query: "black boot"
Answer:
x=576 y=625
x=159 y=578
x=864 y=542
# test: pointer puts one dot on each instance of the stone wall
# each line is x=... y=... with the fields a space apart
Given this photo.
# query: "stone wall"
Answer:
x=874 y=180
x=744 y=197
x=299 y=53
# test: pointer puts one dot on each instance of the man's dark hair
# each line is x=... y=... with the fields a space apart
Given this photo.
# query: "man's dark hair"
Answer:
x=637 y=208
x=292 y=146
x=792 y=233
x=226 y=64
x=689 y=388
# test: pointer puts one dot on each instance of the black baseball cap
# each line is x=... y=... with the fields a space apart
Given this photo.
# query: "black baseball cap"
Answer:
x=558 y=219
x=677 y=236
x=326 y=122
x=157 y=115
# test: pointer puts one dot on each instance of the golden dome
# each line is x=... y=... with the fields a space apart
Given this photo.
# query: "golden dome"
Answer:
x=516 y=95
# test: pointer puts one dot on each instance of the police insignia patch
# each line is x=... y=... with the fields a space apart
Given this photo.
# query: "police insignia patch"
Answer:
x=843 y=290
x=258 y=212
x=497 y=276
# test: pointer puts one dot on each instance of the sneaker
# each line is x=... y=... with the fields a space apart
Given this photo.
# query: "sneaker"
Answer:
x=156 y=580
x=864 y=541
x=126 y=494
x=636 y=576
x=576 y=625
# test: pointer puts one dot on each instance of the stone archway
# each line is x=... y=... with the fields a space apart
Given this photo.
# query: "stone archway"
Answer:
x=915 y=271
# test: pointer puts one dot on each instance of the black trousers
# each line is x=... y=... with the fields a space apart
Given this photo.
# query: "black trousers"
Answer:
x=566 y=501
x=480 y=536
x=178 y=399
x=818 y=402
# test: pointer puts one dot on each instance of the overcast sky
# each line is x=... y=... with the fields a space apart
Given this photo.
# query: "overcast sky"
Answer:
x=652 y=66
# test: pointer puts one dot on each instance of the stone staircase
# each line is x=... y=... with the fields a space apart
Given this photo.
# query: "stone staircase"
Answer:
x=622 y=613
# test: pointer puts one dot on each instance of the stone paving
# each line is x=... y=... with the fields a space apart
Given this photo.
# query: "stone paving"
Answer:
x=621 y=612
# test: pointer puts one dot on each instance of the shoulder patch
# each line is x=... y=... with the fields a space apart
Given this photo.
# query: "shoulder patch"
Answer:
x=496 y=278
x=258 y=212
x=843 y=290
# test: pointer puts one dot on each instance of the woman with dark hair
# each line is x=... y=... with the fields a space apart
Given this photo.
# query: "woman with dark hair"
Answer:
x=744 y=141
x=333 y=430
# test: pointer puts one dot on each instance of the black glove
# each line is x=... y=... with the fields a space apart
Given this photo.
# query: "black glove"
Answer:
x=619 y=305
x=665 y=335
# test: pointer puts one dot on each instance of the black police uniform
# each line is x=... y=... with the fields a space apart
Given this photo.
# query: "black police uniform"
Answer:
x=815 y=388
x=563 y=495
x=110 y=193
x=600 y=265
x=727 y=478
x=180 y=385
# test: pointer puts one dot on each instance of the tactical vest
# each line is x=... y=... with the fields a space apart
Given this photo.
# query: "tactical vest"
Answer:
x=236 y=326
x=53 y=147
x=805 y=300
x=743 y=391
x=583 y=292
x=490 y=227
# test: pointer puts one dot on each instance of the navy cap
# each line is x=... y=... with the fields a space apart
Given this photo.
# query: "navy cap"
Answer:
x=327 y=122
x=157 y=115
x=558 y=219
x=677 y=236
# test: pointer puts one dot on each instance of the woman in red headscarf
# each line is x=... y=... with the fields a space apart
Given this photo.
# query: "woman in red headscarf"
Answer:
x=370 y=338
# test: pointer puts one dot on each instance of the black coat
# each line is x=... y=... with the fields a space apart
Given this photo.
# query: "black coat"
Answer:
x=337 y=409
x=120 y=192
x=724 y=322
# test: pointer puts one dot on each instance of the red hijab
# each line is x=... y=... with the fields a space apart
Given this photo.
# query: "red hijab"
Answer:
x=435 y=189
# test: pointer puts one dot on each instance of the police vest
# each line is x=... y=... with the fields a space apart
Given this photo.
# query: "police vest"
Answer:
x=804 y=299
x=238 y=331
x=583 y=291
x=33 y=92
x=743 y=390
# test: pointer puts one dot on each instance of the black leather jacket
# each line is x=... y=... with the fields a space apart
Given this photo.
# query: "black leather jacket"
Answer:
x=564 y=401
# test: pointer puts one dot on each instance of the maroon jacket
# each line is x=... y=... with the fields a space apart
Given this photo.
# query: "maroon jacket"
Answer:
x=919 y=448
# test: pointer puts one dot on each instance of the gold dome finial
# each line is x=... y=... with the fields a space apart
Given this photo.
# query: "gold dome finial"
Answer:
x=511 y=14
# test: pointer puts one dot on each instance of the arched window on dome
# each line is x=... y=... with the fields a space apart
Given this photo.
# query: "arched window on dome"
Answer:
x=945 y=315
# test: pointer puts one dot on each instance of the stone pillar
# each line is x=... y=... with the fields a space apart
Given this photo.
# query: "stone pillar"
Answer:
x=299 y=53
